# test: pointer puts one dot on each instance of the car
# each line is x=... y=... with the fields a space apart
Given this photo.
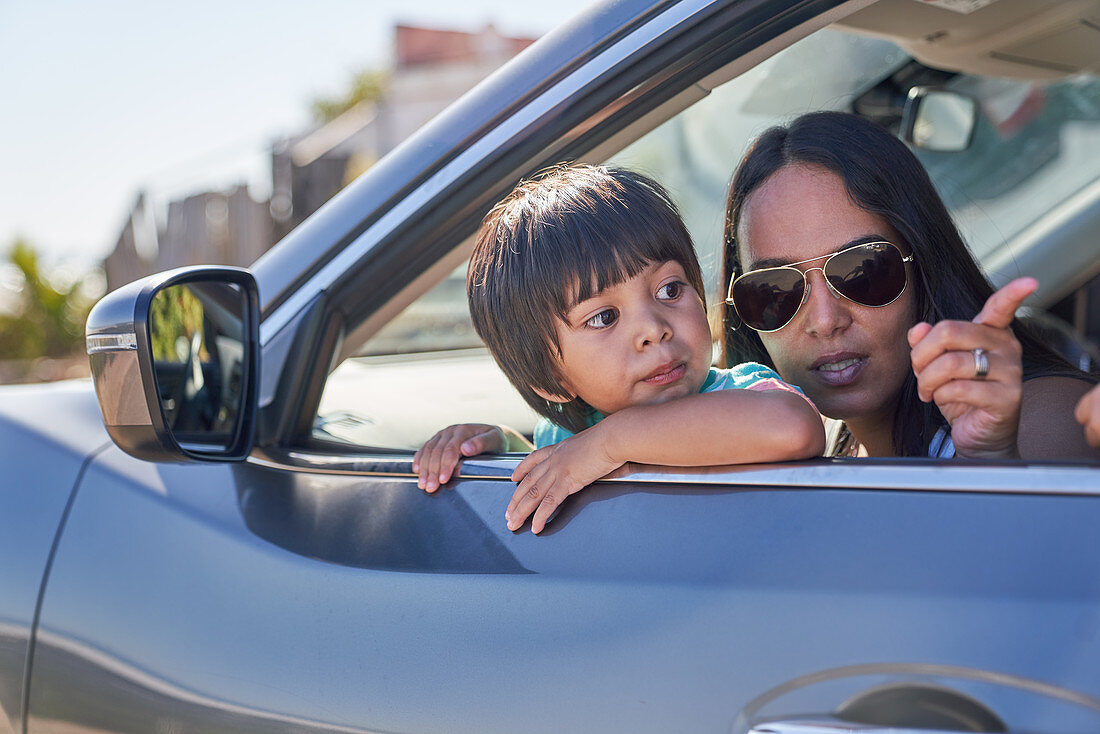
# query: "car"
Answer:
x=231 y=538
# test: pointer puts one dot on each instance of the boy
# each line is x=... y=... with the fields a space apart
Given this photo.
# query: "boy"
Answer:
x=586 y=289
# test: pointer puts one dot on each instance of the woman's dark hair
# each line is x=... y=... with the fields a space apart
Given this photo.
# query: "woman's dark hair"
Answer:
x=883 y=177
x=556 y=240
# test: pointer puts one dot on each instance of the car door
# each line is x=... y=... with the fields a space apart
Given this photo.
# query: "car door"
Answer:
x=315 y=588
x=306 y=593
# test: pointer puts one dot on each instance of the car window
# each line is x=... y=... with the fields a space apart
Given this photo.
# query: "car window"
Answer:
x=1034 y=149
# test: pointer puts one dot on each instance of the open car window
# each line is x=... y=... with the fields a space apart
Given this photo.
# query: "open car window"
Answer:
x=1032 y=157
x=423 y=371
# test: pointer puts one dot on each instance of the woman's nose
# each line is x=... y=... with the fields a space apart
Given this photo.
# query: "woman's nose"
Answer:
x=824 y=313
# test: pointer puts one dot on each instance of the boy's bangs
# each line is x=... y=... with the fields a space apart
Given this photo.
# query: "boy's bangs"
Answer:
x=602 y=257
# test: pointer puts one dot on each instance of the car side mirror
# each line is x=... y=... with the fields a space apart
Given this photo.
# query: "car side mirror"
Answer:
x=175 y=361
x=939 y=119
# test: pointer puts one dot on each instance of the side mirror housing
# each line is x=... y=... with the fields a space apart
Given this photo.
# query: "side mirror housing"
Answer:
x=939 y=119
x=175 y=361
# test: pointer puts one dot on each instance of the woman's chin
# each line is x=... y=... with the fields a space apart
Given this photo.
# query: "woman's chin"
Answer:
x=850 y=405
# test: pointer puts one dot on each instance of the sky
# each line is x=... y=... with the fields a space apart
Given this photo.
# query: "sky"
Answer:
x=103 y=100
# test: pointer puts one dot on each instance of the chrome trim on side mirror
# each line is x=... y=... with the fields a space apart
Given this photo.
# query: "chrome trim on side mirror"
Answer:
x=140 y=415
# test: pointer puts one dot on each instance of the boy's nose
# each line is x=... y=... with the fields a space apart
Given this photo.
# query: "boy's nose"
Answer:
x=824 y=313
x=652 y=329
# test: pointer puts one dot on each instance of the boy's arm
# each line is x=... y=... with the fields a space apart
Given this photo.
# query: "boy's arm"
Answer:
x=714 y=428
x=435 y=462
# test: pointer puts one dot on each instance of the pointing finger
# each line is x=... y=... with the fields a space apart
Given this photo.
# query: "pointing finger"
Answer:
x=1000 y=309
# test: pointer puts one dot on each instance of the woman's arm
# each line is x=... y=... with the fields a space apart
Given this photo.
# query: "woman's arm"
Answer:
x=1048 y=429
x=1087 y=414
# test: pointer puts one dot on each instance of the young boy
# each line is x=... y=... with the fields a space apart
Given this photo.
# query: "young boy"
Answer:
x=586 y=289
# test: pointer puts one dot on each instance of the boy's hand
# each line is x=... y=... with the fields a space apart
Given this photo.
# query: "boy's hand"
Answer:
x=436 y=460
x=548 y=475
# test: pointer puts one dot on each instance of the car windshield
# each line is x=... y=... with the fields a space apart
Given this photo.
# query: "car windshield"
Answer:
x=1032 y=151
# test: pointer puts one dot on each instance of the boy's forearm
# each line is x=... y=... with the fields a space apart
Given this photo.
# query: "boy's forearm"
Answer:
x=726 y=427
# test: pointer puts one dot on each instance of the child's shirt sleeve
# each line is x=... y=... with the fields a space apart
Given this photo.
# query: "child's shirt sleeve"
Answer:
x=750 y=376
x=548 y=433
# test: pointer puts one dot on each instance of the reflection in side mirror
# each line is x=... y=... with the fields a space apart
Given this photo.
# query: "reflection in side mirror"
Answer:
x=175 y=361
x=197 y=340
x=939 y=120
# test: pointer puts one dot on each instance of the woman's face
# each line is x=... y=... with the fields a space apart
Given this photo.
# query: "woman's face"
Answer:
x=851 y=360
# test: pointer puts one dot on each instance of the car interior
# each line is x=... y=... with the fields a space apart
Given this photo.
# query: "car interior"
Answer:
x=1023 y=183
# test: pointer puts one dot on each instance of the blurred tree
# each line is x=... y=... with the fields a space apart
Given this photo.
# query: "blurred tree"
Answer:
x=47 y=322
x=366 y=86
x=174 y=314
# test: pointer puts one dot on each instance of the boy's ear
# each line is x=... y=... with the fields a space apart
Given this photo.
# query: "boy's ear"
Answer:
x=553 y=397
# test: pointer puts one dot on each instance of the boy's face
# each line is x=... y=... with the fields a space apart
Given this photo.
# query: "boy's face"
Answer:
x=643 y=341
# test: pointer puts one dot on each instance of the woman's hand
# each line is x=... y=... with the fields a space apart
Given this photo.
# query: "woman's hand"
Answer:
x=982 y=408
x=1088 y=415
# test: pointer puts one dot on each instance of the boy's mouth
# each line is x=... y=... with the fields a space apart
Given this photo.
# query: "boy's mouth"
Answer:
x=666 y=374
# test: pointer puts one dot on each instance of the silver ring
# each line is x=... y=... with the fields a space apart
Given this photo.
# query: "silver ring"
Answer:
x=981 y=364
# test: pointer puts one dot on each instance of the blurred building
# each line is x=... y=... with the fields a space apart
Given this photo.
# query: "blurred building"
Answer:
x=214 y=227
x=432 y=68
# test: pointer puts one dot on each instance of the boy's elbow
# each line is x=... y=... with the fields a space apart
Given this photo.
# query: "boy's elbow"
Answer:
x=807 y=435
x=811 y=439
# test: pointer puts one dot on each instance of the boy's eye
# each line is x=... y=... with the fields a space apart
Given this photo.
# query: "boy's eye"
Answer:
x=603 y=319
x=671 y=291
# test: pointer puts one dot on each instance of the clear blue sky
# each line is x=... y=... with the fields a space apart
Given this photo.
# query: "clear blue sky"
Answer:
x=103 y=99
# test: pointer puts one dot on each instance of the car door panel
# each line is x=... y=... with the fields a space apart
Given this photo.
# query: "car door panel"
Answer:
x=257 y=599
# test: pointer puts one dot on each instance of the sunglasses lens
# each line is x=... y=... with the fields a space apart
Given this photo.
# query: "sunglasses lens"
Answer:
x=871 y=274
x=767 y=299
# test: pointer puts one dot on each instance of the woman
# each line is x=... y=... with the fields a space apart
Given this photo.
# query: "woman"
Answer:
x=906 y=343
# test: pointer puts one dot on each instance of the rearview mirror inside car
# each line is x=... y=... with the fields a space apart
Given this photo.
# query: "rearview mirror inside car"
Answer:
x=175 y=362
x=939 y=119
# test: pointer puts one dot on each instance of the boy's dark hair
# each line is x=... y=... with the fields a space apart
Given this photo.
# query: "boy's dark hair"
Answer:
x=558 y=239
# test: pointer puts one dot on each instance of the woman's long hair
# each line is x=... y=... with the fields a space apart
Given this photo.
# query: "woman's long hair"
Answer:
x=883 y=177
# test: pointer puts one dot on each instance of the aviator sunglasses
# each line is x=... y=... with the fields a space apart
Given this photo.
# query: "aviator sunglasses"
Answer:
x=870 y=274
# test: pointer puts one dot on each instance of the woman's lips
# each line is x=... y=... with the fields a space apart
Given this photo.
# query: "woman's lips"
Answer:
x=838 y=370
x=666 y=374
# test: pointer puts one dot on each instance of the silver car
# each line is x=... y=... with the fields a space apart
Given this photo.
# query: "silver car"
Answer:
x=232 y=539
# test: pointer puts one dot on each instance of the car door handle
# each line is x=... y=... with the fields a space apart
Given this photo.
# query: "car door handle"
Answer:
x=835 y=726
